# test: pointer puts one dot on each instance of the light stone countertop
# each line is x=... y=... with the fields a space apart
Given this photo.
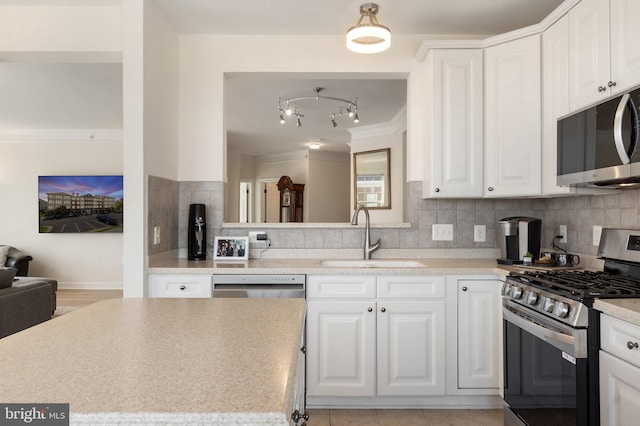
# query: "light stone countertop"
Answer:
x=173 y=265
x=161 y=361
x=624 y=309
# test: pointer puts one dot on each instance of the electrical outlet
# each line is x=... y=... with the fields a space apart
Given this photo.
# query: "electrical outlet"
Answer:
x=253 y=236
x=442 y=232
x=480 y=233
x=562 y=230
x=156 y=235
x=597 y=233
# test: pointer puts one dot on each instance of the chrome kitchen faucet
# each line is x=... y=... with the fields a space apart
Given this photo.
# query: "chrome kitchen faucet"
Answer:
x=368 y=247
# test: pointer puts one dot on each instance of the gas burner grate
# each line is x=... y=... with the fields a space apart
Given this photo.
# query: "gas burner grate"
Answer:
x=582 y=284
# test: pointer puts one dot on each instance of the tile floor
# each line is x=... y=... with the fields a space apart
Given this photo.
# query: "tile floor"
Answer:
x=405 y=418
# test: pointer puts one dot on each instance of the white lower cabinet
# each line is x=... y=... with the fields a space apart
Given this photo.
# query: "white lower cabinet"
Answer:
x=619 y=372
x=341 y=346
x=479 y=337
x=179 y=285
x=389 y=344
x=411 y=347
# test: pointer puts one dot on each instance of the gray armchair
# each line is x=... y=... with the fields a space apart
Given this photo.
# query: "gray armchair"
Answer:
x=19 y=260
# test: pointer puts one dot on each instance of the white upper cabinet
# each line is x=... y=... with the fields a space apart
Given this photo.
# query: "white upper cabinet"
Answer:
x=604 y=55
x=455 y=136
x=512 y=165
x=555 y=99
x=625 y=48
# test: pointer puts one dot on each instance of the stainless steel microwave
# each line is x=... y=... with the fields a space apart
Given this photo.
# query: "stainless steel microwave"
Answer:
x=599 y=146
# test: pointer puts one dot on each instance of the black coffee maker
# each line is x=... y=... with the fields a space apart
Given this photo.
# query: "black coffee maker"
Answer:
x=197 y=232
x=516 y=236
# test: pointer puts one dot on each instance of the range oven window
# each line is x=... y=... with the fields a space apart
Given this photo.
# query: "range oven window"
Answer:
x=542 y=386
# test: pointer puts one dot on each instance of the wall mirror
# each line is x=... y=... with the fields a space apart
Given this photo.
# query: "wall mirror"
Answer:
x=372 y=178
x=259 y=149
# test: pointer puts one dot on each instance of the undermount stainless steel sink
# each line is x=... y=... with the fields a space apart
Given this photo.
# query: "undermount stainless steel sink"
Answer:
x=372 y=263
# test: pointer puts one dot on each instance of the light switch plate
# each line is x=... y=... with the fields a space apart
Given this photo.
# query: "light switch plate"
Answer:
x=156 y=235
x=597 y=233
x=480 y=233
x=442 y=232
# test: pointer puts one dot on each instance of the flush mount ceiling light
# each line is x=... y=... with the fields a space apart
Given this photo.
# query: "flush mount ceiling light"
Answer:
x=368 y=37
x=288 y=108
x=314 y=145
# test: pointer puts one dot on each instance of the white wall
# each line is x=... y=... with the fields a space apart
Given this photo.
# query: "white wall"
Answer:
x=329 y=186
x=205 y=58
x=76 y=260
x=59 y=34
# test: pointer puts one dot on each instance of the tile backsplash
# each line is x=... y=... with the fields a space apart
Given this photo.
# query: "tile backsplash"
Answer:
x=579 y=213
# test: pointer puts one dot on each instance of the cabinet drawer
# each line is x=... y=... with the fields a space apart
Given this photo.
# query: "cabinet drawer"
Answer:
x=617 y=336
x=180 y=286
x=411 y=287
x=341 y=286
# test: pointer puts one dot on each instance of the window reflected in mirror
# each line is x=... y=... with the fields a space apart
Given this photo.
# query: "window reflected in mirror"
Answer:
x=372 y=178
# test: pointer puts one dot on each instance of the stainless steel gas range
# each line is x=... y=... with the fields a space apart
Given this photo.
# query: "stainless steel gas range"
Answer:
x=552 y=334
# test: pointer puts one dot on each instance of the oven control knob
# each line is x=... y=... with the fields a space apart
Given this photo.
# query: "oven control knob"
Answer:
x=532 y=298
x=516 y=292
x=562 y=310
x=548 y=304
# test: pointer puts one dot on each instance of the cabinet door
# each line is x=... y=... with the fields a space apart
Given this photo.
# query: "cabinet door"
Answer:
x=456 y=130
x=411 y=347
x=625 y=49
x=619 y=391
x=589 y=53
x=555 y=99
x=513 y=121
x=341 y=348
x=479 y=334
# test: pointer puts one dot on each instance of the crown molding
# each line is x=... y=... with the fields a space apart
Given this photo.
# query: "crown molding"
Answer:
x=396 y=124
x=538 y=28
x=86 y=135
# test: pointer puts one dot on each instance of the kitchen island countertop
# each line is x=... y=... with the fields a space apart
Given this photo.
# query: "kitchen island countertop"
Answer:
x=161 y=361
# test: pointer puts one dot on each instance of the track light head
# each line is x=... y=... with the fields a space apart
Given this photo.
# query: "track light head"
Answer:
x=333 y=121
x=356 y=119
x=298 y=122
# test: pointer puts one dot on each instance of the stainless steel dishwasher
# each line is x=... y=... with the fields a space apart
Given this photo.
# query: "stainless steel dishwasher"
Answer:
x=259 y=286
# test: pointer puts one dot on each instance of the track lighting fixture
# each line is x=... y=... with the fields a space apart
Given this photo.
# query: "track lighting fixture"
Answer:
x=288 y=108
x=333 y=121
x=368 y=37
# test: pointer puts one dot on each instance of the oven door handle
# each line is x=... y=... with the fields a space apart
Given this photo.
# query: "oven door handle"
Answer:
x=564 y=342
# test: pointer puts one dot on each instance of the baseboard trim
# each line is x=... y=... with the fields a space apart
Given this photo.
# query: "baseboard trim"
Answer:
x=89 y=286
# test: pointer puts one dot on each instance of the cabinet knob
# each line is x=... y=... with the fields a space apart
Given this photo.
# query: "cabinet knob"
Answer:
x=632 y=345
x=437 y=189
x=182 y=287
x=303 y=349
x=601 y=88
x=611 y=83
x=490 y=188
x=383 y=310
x=370 y=309
x=296 y=416
x=464 y=288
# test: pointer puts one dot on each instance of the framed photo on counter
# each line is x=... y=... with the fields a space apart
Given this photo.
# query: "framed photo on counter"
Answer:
x=231 y=249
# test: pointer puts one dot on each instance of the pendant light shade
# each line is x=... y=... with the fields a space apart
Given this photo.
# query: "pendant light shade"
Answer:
x=368 y=37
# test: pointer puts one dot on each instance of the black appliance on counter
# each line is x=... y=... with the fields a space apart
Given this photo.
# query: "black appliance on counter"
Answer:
x=517 y=236
x=197 y=247
x=552 y=335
